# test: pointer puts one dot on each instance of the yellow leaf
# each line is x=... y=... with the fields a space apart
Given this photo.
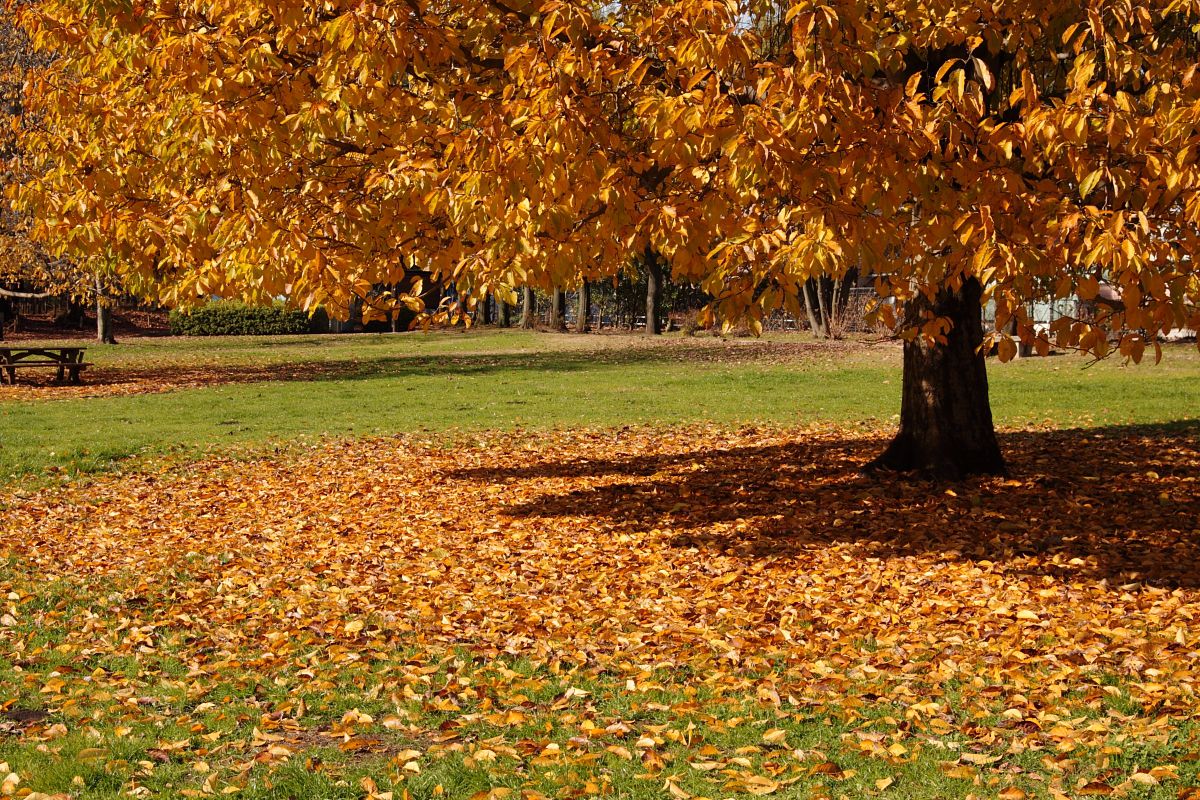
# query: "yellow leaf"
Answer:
x=1089 y=183
x=775 y=736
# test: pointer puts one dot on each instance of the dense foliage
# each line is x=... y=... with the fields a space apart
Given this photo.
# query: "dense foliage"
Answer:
x=1041 y=148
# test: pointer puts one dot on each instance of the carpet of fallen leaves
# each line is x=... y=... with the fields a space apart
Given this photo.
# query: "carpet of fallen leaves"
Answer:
x=1056 y=613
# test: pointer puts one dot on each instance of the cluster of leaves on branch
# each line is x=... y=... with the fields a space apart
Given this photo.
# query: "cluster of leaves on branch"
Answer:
x=28 y=267
x=673 y=590
x=279 y=147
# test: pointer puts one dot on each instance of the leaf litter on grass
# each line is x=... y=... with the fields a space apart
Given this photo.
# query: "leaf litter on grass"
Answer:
x=686 y=607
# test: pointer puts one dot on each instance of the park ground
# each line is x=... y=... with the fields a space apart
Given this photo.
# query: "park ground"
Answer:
x=522 y=565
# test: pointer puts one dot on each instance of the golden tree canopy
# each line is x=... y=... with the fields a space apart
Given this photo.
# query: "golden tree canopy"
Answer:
x=279 y=147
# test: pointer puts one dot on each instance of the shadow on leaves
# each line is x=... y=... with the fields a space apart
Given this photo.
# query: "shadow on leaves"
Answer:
x=1115 y=504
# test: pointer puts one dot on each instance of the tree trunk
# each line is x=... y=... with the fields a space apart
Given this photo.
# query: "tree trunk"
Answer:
x=485 y=310
x=654 y=280
x=946 y=428
x=584 y=309
x=503 y=313
x=558 y=310
x=104 y=331
x=810 y=308
x=354 y=320
x=528 y=308
x=823 y=305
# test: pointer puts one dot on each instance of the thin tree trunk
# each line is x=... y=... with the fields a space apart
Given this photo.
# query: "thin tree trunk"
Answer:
x=946 y=428
x=837 y=309
x=584 y=310
x=558 y=310
x=823 y=306
x=104 y=331
x=814 y=318
x=654 y=280
x=503 y=313
x=485 y=310
x=528 y=308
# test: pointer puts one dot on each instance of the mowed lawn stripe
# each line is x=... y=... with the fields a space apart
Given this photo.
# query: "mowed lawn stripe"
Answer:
x=511 y=380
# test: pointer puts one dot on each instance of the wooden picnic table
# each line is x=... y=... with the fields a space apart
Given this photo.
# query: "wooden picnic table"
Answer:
x=68 y=360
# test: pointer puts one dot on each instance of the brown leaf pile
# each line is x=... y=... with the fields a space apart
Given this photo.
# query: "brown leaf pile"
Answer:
x=760 y=556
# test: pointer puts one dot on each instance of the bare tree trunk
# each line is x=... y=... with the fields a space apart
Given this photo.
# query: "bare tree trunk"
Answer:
x=528 y=308
x=654 y=280
x=584 y=310
x=503 y=313
x=354 y=320
x=104 y=331
x=485 y=310
x=837 y=311
x=823 y=306
x=558 y=310
x=815 y=321
x=946 y=428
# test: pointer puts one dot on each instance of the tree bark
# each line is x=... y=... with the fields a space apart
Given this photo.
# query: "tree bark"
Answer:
x=528 y=308
x=823 y=306
x=654 y=280
x=558 y=310
x=503 y=313
x=584 y=310
x=485 y=310
x=354 y=320
x=814 y=317
x=946 y=428
x=104 y=331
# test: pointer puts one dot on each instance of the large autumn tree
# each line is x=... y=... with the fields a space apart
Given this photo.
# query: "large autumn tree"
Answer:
x=959 y=151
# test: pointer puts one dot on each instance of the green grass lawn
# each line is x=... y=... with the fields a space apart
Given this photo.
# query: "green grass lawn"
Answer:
x=726 y=611
x=364 y=385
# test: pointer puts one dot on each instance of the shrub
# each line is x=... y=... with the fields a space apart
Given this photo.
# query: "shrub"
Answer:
x=225 y=318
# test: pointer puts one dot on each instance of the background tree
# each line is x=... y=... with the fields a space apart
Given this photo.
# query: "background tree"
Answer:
x=583 y=308
x=528 y=308
x=558 y=309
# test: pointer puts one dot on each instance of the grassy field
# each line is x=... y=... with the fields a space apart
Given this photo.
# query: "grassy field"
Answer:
x=519 y=566
x=180 y=396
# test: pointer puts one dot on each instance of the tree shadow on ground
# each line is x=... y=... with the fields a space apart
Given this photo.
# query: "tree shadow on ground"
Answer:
x=1115 y=504
x=166 y=376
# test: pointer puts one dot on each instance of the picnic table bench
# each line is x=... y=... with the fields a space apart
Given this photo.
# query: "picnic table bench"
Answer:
x=68 y=360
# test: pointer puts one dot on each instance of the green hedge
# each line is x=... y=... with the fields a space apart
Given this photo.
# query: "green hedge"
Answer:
x=225 y=318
